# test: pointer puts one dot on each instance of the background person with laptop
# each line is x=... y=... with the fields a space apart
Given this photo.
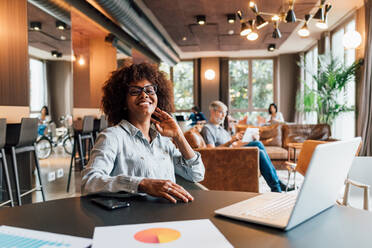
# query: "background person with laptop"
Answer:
x=215 y=135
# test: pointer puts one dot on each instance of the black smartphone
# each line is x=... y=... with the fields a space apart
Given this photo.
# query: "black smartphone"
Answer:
x=110 y=203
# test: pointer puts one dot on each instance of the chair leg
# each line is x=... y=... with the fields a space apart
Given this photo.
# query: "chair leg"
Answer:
x=289 y=178
x=38 y=173
x=81 y=153
x=70 y=170
x=91 y=144
x=8 y=183
x=16 y=179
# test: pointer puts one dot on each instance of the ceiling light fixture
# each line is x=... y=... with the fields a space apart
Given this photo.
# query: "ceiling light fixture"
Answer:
x=271 y=48
x=62 y=37
x=56 y=54
x=287 y=14
x=231 y=18
x=276 y=34
x=61 y=25
x=209 y=74
x=291 y=16
x=320 y=13
x=304 y=31
x=201 y=19
x=35 y=26
x=81 y=61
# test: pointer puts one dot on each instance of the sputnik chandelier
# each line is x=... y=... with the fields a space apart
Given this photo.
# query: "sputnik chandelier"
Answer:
x=249 y=27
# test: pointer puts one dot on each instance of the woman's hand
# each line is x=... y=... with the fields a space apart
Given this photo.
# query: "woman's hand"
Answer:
x=237 y=136
x=164 y=188
x=166 y=125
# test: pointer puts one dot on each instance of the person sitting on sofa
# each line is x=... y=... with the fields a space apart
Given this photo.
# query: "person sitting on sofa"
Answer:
x=215 y=135
x=274 y=115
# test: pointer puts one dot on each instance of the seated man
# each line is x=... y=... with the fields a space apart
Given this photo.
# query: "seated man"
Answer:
x=215 y=135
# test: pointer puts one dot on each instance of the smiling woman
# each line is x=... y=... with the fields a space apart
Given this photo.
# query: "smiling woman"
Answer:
x=135 y=156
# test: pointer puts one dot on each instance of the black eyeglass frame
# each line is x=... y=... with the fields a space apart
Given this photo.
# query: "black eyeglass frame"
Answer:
x=144 y=89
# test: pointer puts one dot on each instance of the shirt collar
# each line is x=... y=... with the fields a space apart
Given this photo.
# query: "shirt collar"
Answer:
x=132 y=130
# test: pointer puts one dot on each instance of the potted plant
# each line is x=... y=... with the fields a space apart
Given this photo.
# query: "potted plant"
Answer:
x=327 y=98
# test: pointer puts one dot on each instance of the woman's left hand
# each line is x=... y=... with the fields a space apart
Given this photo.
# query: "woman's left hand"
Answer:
x=166 y=125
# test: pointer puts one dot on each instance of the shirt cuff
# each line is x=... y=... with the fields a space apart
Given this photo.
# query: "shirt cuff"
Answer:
x=130 y=183
x=194 y=160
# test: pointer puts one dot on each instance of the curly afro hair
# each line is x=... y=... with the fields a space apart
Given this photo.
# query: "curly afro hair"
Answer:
x=115 y=90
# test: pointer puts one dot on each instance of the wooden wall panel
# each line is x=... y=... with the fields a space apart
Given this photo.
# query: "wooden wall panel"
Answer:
x=102 y=57
x=14 y=71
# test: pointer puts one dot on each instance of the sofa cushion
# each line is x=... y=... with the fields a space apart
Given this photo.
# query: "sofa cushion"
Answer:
x=276 y=152
x=271 y=135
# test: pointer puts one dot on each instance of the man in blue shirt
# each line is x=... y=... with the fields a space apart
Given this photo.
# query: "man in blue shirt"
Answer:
x=197 y=117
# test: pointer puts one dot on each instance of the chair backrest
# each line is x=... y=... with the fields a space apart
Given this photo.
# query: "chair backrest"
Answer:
x=2 y=132
x=88 y=124
x=361 y=170
x=194 y=138
x=102 y=123
x=306 y=153
x=28 y=132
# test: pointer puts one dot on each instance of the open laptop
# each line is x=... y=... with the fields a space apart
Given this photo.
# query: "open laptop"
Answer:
x=324 y=178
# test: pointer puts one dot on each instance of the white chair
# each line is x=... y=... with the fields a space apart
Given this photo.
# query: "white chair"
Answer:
x=360 y=175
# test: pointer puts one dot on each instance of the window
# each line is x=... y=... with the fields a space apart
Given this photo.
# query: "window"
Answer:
x=38 y=86
x=311 y=68
x=251 y=87
x=165 y=68
x=344 y=125
x=183 y=79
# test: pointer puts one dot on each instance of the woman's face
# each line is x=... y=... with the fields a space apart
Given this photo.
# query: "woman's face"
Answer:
x=272 y=109
x=142 y=98
x=43 y=111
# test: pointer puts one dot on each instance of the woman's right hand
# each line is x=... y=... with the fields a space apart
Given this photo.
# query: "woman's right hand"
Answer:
x=164 y=188
x=237 y=137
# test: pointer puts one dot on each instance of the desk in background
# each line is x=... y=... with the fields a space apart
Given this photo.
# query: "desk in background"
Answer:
x=336 y=227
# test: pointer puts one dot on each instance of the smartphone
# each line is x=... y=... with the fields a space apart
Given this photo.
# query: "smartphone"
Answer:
x=110 y=203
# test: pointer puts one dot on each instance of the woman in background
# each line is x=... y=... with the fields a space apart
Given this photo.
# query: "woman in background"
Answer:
x=274 y=115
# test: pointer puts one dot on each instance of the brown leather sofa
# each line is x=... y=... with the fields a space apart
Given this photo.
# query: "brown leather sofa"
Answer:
x=277 y=137
x=230 y=169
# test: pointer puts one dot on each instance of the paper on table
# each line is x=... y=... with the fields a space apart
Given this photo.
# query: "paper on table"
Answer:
x=19 y=237
x=248 y=135
x=176 y=234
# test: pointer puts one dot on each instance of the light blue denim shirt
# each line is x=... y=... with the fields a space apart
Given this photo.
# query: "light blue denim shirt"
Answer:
x=122 y=157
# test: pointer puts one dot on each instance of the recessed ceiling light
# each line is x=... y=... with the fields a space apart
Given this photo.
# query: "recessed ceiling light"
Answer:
x=271 y=47
x=184 y=38
x=230 y=32
x=231 y=18
x=61 y=25
x=63 y=37
x=35 y=26
x=200 y=19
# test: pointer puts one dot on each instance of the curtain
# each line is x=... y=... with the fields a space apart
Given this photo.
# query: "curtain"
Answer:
x=365 y=122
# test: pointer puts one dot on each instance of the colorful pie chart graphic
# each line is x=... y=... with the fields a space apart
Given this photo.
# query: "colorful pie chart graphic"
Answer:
x=157 y=235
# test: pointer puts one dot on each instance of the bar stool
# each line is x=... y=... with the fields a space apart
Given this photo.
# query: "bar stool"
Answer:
x=20 y=139
x=102 y=126
x=86 y=133
x=4 y=164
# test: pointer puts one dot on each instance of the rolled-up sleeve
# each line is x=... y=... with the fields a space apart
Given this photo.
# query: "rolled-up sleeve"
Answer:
x=190 y=169
x=96 y=177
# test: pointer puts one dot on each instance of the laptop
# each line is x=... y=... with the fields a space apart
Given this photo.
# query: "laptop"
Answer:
x=284 y=211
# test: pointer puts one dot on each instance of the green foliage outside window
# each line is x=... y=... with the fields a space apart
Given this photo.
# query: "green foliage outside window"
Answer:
x=183 y=79
x=262 y=83
x=238 y=73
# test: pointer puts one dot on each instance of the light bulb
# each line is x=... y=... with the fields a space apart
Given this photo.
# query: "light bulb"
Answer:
x=351 y=39
x=252 y=36
x=304 y=31
x=245 y=32
x=275 y=18
x=322 y=25
x=81 y=61
x=209 y=74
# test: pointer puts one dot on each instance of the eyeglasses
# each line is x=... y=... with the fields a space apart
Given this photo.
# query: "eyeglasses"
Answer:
x=220 y=111
x=136 y=90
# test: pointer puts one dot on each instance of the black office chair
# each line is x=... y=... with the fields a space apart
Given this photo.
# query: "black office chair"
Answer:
x=4 y=164
x=102 y=126
x=20 y=139
x=86 y=133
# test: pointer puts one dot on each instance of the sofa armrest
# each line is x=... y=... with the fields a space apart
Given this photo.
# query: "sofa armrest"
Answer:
x=231 y=169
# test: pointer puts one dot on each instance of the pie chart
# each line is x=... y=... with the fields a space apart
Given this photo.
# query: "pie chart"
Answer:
x=157 y=235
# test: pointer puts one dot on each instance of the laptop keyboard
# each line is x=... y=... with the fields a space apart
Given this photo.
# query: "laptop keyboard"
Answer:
x=272 y=208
